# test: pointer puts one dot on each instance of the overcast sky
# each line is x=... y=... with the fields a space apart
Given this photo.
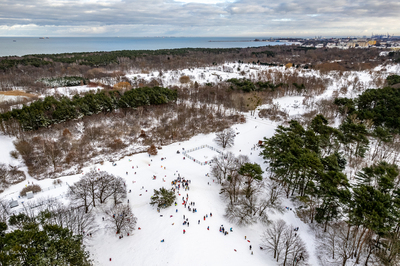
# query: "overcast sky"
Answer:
x=264 y=18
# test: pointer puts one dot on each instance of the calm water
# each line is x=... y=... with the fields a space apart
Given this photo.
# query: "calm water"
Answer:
x=22 y=45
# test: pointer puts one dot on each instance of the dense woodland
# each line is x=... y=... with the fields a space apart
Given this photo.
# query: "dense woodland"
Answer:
x=43 y=113
x=358 y=214
x=30 y=70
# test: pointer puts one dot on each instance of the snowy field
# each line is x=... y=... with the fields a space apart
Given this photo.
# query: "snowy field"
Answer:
x=198 y=246
x=202 y=154
x=292 y=105
x=71 y=91
x=6 y=144
x=11 y=98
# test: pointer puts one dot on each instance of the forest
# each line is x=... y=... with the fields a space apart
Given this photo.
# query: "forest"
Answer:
x=336 y=161
x=43 y=113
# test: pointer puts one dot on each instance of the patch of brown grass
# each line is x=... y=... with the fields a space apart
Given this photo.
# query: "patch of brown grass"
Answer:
x=18 y=93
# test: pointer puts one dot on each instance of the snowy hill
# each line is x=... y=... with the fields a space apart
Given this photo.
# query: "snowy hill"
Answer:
x=198 y=245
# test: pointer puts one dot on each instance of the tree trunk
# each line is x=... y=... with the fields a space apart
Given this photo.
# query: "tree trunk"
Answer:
x=362 y=243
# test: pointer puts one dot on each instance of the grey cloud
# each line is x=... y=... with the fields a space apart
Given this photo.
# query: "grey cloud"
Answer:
x=243 y=17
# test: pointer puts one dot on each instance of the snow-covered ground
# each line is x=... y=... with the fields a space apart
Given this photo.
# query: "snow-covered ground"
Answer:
x=345 y=84
x=11 y=98
x=198 y=246
x=293 y=105
x=6 y=144
x=71 y=91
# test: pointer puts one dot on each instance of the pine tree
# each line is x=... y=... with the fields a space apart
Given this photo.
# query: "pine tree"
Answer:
x=43 y=244
x=163 y=198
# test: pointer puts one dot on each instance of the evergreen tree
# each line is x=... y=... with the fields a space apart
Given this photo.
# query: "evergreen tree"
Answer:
x=163 y=198
x=42 y=244
x=252 y=172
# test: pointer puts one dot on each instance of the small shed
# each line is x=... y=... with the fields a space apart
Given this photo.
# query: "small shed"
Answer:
x=14 y=203
x=29 y=195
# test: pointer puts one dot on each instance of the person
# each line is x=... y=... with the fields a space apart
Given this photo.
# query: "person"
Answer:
x=245 y=237
x=250 y=247
x=252 y=253
x=184 y=231
x=210 y=214
x=208 y=228
x=198 y=222
x=231 y=229
x=162 y=240
x=176 y=210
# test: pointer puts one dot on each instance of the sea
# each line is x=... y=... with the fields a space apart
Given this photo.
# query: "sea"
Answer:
x=19 y=46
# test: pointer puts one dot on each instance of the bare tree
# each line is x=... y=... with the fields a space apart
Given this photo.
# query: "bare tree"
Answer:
x=339 y=243
x=91 y=182
x=281 y=240
x=225 y=138
x=4 y=211
x=272 y=238
x=105 y=184
x=80 y=194
x=294 y=251
x=240 y=214
x=274 y=194
x=121 y=218
x=331 y=240
x=118 y=190
x=231 y=188
x=76 y=219
x=223 y=165
x=3 y=177
x=97 y=186
x=152 y=150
